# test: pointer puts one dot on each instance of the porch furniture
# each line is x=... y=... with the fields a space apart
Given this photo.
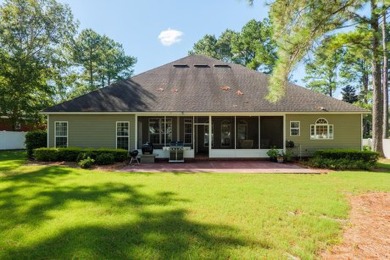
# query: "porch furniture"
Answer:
x=176 y=151
x=246 y=144
x=147 y=148
x=133 y=157
x=147 y=158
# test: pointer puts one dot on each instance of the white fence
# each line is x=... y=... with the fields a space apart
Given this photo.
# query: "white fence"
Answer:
x=386 y=146
x=12 y=140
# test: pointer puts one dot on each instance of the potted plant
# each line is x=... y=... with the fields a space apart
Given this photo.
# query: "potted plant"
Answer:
x=273 y=153
x=280 y=158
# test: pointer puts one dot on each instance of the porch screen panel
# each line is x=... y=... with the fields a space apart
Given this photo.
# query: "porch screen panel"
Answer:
x=271 y=132
x=247 y=132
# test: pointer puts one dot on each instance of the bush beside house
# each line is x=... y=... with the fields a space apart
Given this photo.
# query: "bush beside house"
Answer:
x=74 y=154
x=340 y=159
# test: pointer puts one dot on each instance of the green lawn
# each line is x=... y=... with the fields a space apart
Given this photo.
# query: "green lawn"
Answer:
x=53 y=212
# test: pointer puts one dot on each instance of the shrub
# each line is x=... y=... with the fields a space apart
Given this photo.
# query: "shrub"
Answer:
x=73 y=154
x=86 y=163
x=344 y=159
x=46 y=154
x=104 y=159
x=35 y=139
x=69 y=154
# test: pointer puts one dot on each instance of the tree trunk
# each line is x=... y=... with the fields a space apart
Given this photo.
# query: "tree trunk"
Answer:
x=385 y=78
x=377 y=109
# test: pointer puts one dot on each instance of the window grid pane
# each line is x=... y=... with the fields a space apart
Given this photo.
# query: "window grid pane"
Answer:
x=61 y=142
x=294 y=128
x=122 y=135
x=122 y=129
x=61 y=134
x=122 y=143
x=61 y=128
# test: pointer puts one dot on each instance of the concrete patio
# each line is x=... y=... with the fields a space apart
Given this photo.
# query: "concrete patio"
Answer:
x=221 y=166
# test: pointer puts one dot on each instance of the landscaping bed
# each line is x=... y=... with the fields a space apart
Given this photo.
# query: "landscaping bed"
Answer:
x=367 y=232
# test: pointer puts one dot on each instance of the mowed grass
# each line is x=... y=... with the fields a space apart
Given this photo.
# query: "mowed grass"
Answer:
x=53 y=212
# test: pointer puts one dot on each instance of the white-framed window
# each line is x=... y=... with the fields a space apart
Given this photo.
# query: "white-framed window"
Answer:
x=160 y=130
x=188 y=131
x=321 y=130
x=122 y=135
x=60 y=134
x=226 y=129
x=295 y=128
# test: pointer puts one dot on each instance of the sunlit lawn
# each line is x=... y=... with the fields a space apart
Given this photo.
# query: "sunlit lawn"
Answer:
x=53 y=212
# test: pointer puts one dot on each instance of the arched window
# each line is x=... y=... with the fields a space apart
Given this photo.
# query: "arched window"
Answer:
x=226 y=129
x=321 y=130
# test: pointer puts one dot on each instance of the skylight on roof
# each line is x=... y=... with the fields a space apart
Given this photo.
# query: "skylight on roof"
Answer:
x=180 y=66
x=221 y=66
x=201 y=66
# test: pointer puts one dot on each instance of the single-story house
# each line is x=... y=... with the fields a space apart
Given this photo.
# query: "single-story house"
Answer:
x=216 y=109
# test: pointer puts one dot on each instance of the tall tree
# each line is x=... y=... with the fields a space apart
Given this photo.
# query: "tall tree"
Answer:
x=252 y=47
x=299 y=23
x=322 y=73
x=349 y=94
x=32 y=33
x=101 y=60
x=206 y=46
x=385 y=78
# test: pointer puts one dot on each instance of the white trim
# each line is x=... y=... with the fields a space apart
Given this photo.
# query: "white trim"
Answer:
x=128 y=134
x=235 y=132
x=210 y=135
x=299 y=127
x=165 y=130
x=259 y=131
x=55 y=133
x=203 y=113
x=361 y=132
x=284 y=133
x=178 y=129
x=136 y=132
x=48 y=132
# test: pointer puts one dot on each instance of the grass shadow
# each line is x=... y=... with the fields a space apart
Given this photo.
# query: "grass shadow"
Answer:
x=149 y=225
x=163 y=235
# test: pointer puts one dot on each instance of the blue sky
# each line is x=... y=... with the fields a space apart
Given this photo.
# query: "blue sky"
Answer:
x=138 y=24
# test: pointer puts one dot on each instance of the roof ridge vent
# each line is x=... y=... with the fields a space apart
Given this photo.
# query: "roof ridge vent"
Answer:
x=201 y=66
x=180 y=66
x=221 y=66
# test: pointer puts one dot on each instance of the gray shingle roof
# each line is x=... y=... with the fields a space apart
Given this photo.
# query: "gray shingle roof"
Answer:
x=199 y=84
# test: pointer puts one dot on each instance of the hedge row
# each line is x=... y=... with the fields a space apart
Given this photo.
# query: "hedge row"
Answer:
x=73 y=154
x=368 y=156
x=342 y=159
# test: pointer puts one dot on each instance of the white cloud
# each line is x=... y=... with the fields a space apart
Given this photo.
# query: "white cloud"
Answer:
x=170 y=36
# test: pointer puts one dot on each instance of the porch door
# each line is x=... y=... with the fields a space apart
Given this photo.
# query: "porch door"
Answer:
x=202 y=140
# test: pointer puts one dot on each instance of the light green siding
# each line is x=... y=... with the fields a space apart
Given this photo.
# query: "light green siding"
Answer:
x=347 y=132
x=95 y=131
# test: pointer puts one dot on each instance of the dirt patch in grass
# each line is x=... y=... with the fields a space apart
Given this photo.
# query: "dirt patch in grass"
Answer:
x=367 y=234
